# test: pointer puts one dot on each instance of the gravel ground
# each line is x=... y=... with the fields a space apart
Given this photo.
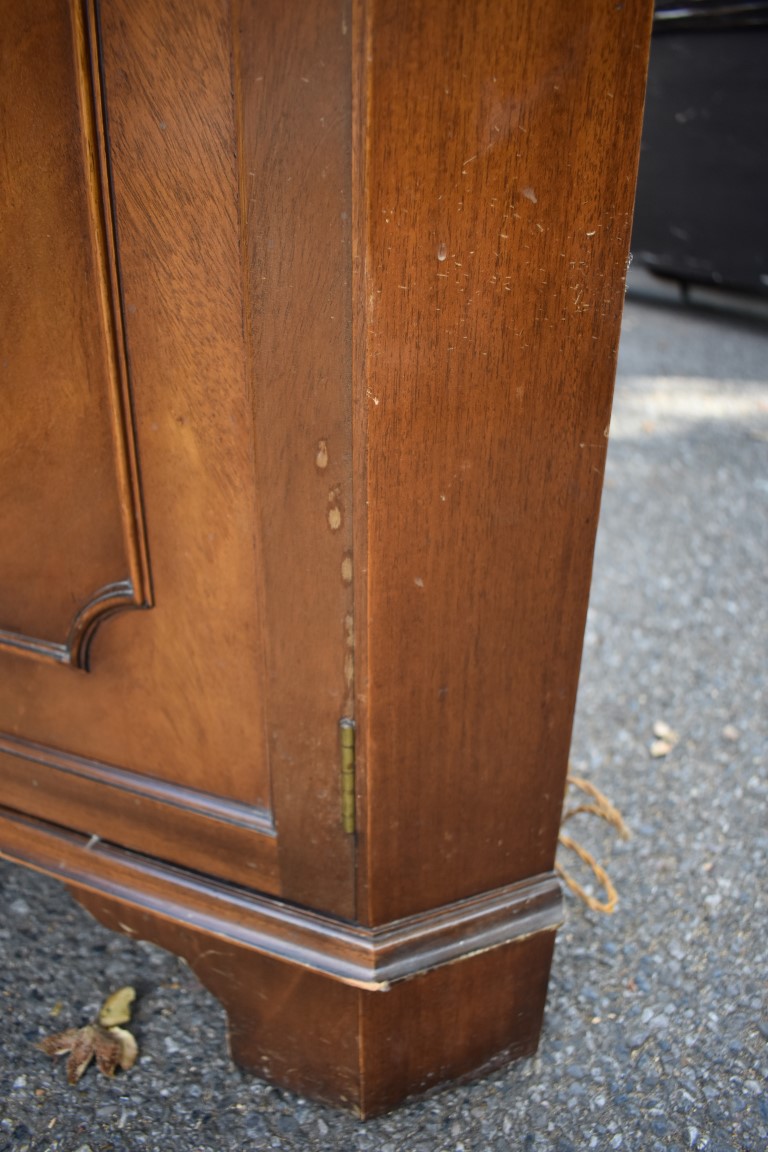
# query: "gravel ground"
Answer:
x=657 y=1020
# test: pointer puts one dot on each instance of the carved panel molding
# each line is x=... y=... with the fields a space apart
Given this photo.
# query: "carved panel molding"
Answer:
x=74 y=546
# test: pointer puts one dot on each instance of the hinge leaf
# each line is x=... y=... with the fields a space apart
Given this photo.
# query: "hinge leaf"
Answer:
x=347 y=750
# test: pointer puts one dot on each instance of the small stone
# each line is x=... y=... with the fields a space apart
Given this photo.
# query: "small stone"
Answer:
x=730 y=732
x=663 y=731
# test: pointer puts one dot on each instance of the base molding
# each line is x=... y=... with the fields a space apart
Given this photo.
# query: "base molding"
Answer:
x=370 y=958
x=361 y=1018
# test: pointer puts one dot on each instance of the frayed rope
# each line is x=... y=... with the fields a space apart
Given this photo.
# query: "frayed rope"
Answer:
x=600 y=806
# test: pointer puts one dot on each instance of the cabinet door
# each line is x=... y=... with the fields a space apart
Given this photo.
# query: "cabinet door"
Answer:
x=176 y=564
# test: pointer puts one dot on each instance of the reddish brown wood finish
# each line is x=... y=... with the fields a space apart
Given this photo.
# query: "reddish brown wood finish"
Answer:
x=501 y=146
x=370 y=958
x=366 y=1051
x=67 y=559
x=314 y=361
x=293 y=90
x=234 y=268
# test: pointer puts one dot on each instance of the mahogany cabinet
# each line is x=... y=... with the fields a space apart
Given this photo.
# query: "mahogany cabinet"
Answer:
x=308 y=324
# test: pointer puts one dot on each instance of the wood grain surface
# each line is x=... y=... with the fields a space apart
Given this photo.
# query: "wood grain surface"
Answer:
x=66 y=559
x=293 y=92
x=227 y=132
x=501 y=142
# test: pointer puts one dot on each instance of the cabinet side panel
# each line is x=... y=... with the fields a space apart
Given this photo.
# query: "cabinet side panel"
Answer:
x=502 y=141
x=71 y=544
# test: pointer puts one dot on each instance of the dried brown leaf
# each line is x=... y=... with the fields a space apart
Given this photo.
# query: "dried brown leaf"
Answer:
x=116 y=1009
x=59 y=1043
x=129 y=1049
x=81 y=1054
x=106 y=1048
x=110 y=1046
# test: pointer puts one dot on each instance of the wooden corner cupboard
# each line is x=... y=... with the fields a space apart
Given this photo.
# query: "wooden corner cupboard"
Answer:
x=308 y=327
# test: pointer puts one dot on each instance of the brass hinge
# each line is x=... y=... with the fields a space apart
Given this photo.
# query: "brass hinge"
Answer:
x=347 y=750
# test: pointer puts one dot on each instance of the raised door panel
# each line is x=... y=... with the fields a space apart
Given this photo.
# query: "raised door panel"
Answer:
x=73 y=546
x=206 y=729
